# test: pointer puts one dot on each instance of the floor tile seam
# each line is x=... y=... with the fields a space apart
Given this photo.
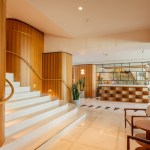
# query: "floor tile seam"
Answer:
x=56 y=142
x=119 y=129
x=76 y=137
x=86 y=145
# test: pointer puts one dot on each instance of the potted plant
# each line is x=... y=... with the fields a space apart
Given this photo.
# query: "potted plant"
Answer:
x=82 y=86
x=101 y=80
x=75 y=94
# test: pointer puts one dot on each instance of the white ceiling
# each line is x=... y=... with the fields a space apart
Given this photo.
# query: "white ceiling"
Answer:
x=98 y=18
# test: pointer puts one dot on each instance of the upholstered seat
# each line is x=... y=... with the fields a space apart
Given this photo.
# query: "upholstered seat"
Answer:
x=140 y=148
x=139 y=139
x=132 y=118
x=129 y=119
x=142 y=136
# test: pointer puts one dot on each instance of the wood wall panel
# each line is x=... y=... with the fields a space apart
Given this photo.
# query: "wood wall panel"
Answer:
x=57 y=65
x=27 y=42
x=90 y=78
x=2 y=66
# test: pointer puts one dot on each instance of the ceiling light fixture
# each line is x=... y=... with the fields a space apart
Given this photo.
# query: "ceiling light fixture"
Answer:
x=105 y=54
x=80 y=8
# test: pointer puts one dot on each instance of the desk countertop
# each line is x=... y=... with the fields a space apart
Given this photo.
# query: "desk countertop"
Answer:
x=115 y=85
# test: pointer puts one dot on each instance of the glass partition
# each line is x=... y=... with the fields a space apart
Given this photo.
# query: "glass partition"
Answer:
x=137 y=73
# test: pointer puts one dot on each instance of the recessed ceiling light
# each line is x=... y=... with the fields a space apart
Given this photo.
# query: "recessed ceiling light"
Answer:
x=105 y=54
x=80 y=7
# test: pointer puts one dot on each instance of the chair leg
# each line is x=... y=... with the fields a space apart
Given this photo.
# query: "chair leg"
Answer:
x=125 y=119
x=132 y=130
x=128 y=142
x=132 y=126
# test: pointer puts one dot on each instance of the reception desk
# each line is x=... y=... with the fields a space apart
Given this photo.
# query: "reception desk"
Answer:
x=124 y=93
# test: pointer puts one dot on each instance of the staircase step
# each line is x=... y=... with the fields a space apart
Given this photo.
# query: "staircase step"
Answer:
x=54 y=105
x=10 y=76
x=20 y=125
x=15 y=84
x=17 y=89
x=11 y=115
x=25 y=95
x=34 y=121
x=12 y=122
x=23 y=139
x=27 y=102
x=58 y=131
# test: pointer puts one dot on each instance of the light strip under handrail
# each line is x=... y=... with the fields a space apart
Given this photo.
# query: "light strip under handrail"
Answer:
x=28 y=64
x=11 y=94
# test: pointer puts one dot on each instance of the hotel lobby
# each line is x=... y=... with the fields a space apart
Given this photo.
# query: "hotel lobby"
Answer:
x=75 y=75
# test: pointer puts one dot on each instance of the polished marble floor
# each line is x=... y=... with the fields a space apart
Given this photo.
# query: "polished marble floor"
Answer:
x=103 y=129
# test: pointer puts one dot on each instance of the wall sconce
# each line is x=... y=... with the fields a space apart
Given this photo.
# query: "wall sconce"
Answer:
x=34 y=86
x=49 y=92
x=82 y=71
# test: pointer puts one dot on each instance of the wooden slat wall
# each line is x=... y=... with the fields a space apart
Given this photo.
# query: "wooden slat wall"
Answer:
x=2 y=66
x=27 y=42
x=93 y=80
x=67 y=75
x=57 y=65
x=90 y=78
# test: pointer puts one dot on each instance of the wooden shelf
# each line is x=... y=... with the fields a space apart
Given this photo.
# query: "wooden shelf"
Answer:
x=112 y=91
x=138 y=92
x=112 y=98
x=125 y=94
x=125 y=99
x=132 y=96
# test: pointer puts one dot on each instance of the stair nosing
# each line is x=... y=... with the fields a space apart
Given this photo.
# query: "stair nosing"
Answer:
x=39 y=127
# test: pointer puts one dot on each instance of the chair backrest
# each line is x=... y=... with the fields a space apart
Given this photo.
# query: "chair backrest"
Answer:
x=148 y=110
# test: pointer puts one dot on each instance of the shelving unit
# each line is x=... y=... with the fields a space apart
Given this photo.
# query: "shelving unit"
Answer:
x=130 y=73
x=138 y=94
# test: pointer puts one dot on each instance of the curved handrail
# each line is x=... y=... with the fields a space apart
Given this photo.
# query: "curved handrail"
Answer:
x=11 y=94
x=28 y=64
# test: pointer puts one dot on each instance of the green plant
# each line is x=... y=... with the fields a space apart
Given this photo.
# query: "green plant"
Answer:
x=101 y=80
x=82 y=83
x=75 y=92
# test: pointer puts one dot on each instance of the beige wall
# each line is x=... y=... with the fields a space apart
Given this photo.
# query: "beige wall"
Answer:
x=120 y=47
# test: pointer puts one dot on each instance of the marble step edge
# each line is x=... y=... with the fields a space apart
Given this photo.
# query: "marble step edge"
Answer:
x=33 y=120
x=23 y=112
x=15 y=84
x=25 y=102
x=17 y=89
x=25 y=95
x=23 y=141
x=76 y=120
x=10 y=76
x=12 y=122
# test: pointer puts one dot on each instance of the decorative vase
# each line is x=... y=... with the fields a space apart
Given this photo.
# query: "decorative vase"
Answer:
x=77 y=102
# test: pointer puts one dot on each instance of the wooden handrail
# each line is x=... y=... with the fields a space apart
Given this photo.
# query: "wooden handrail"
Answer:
x=11 y=94
x=28 y=64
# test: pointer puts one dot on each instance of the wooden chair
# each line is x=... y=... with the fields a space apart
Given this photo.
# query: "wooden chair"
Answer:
x=132 y=118
x=145 y=143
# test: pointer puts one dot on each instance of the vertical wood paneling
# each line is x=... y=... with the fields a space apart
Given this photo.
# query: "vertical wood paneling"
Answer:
x=2 y=66
x=94 y=80
x=68 y=76
x=57 y=65
x=27 y=42
x=90 y=78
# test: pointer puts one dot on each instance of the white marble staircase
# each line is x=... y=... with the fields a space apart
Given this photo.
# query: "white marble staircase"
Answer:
x=33 y=121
